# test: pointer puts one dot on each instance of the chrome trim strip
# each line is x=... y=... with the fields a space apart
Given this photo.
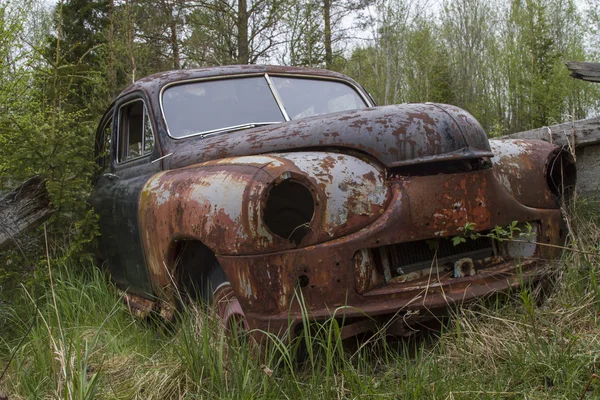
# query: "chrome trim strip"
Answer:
x=365 y=98
x=249 y=125
x=277 y=98
x=161 y=158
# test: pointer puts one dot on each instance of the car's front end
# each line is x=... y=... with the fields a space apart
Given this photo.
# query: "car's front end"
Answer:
x=442 y=239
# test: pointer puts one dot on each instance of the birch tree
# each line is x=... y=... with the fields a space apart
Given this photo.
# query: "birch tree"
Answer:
x=234 y=31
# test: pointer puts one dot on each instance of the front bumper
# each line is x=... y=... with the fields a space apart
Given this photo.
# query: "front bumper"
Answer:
x=327 y=280
x=419 y=300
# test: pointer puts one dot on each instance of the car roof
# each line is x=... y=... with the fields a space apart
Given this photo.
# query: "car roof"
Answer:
x=152 y=84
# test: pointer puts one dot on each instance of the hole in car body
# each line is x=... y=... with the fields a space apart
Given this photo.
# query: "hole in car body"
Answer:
x=289 y=210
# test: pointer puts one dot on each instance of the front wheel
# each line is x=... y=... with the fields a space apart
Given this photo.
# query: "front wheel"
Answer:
x=226 y=306
x=201 y=278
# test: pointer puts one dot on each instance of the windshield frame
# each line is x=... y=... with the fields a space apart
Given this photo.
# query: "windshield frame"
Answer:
x=266 y=76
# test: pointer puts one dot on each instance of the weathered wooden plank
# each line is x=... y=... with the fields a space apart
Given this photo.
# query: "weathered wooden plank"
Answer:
x=23 y=209
x=586 y=71
x=580 y=133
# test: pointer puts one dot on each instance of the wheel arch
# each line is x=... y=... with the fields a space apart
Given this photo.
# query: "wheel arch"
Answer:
x=193 y=265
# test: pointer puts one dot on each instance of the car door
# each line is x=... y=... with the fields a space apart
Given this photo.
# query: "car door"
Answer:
x=103 y=156
x=133 y=150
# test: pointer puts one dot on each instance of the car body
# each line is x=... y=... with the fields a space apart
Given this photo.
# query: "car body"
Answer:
x=268 y=190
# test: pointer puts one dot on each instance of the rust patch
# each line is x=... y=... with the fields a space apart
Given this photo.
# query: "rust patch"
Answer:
x=328 y=270
x=381 y=179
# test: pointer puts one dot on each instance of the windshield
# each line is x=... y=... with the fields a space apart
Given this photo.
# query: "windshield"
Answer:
x=230 y=104
x=198 y=107
x=307 y=97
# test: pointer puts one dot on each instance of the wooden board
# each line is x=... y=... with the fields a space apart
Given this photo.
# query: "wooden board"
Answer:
x=586 y=71
x=579 y=133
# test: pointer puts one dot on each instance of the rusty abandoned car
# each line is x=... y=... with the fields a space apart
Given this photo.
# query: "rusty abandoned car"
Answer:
x=252 y=187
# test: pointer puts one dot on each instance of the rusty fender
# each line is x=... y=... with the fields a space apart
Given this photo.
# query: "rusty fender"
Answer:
x=534 y=172
x=222 y=204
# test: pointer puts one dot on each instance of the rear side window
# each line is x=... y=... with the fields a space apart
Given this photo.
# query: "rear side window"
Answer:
x=103 y=144
x=136 y=138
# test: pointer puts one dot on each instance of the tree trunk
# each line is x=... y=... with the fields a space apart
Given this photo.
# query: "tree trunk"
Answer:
x=131 y=36
x=327 y=34
x=170 y=11
x=112 y=71
x=242 y=28
x=23 y=209
x=175 y=44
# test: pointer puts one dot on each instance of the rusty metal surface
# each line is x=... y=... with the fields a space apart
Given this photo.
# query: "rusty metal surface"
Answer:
x=152 y=84
x=421 y=208
x=522 y=166
x=265 y=270
x=398 y=135
x=137 y=305
x=432 y=292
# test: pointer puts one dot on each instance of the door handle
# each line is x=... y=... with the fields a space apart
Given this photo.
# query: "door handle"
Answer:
x=110 y=176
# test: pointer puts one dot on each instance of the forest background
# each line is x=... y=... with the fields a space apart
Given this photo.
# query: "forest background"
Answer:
x=62 y=63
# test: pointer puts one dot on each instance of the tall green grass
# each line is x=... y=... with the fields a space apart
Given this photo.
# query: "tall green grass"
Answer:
x=84 y=344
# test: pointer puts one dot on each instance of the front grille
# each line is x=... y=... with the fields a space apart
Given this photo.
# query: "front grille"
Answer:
x=404 y=258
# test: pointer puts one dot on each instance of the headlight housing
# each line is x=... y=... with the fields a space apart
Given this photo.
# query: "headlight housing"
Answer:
x=536 y=173
x=319 y=196
x=289 y=210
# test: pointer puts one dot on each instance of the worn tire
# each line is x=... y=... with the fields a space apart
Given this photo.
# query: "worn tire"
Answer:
x=210 y=286
x=194 y=282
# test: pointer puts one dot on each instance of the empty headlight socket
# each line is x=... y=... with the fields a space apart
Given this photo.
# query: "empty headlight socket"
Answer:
x=561 y=174
x=289 y=207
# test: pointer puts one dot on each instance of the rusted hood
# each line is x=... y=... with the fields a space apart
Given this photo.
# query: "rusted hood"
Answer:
x=396 y=135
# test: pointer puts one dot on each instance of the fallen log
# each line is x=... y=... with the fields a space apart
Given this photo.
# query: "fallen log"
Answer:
x=23 y=209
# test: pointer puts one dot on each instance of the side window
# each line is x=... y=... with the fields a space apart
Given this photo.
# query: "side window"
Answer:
x=135 y=131
x=103 y=144
x=107 y=145
x=148 y=136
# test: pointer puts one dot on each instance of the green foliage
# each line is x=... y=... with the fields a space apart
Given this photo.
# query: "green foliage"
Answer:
x=61 y=355
x=50 y=107
x=39 y=139
x=468 y=232
x=512 y=232
x=74 y=49
x=503 y=61
x=304 y=28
